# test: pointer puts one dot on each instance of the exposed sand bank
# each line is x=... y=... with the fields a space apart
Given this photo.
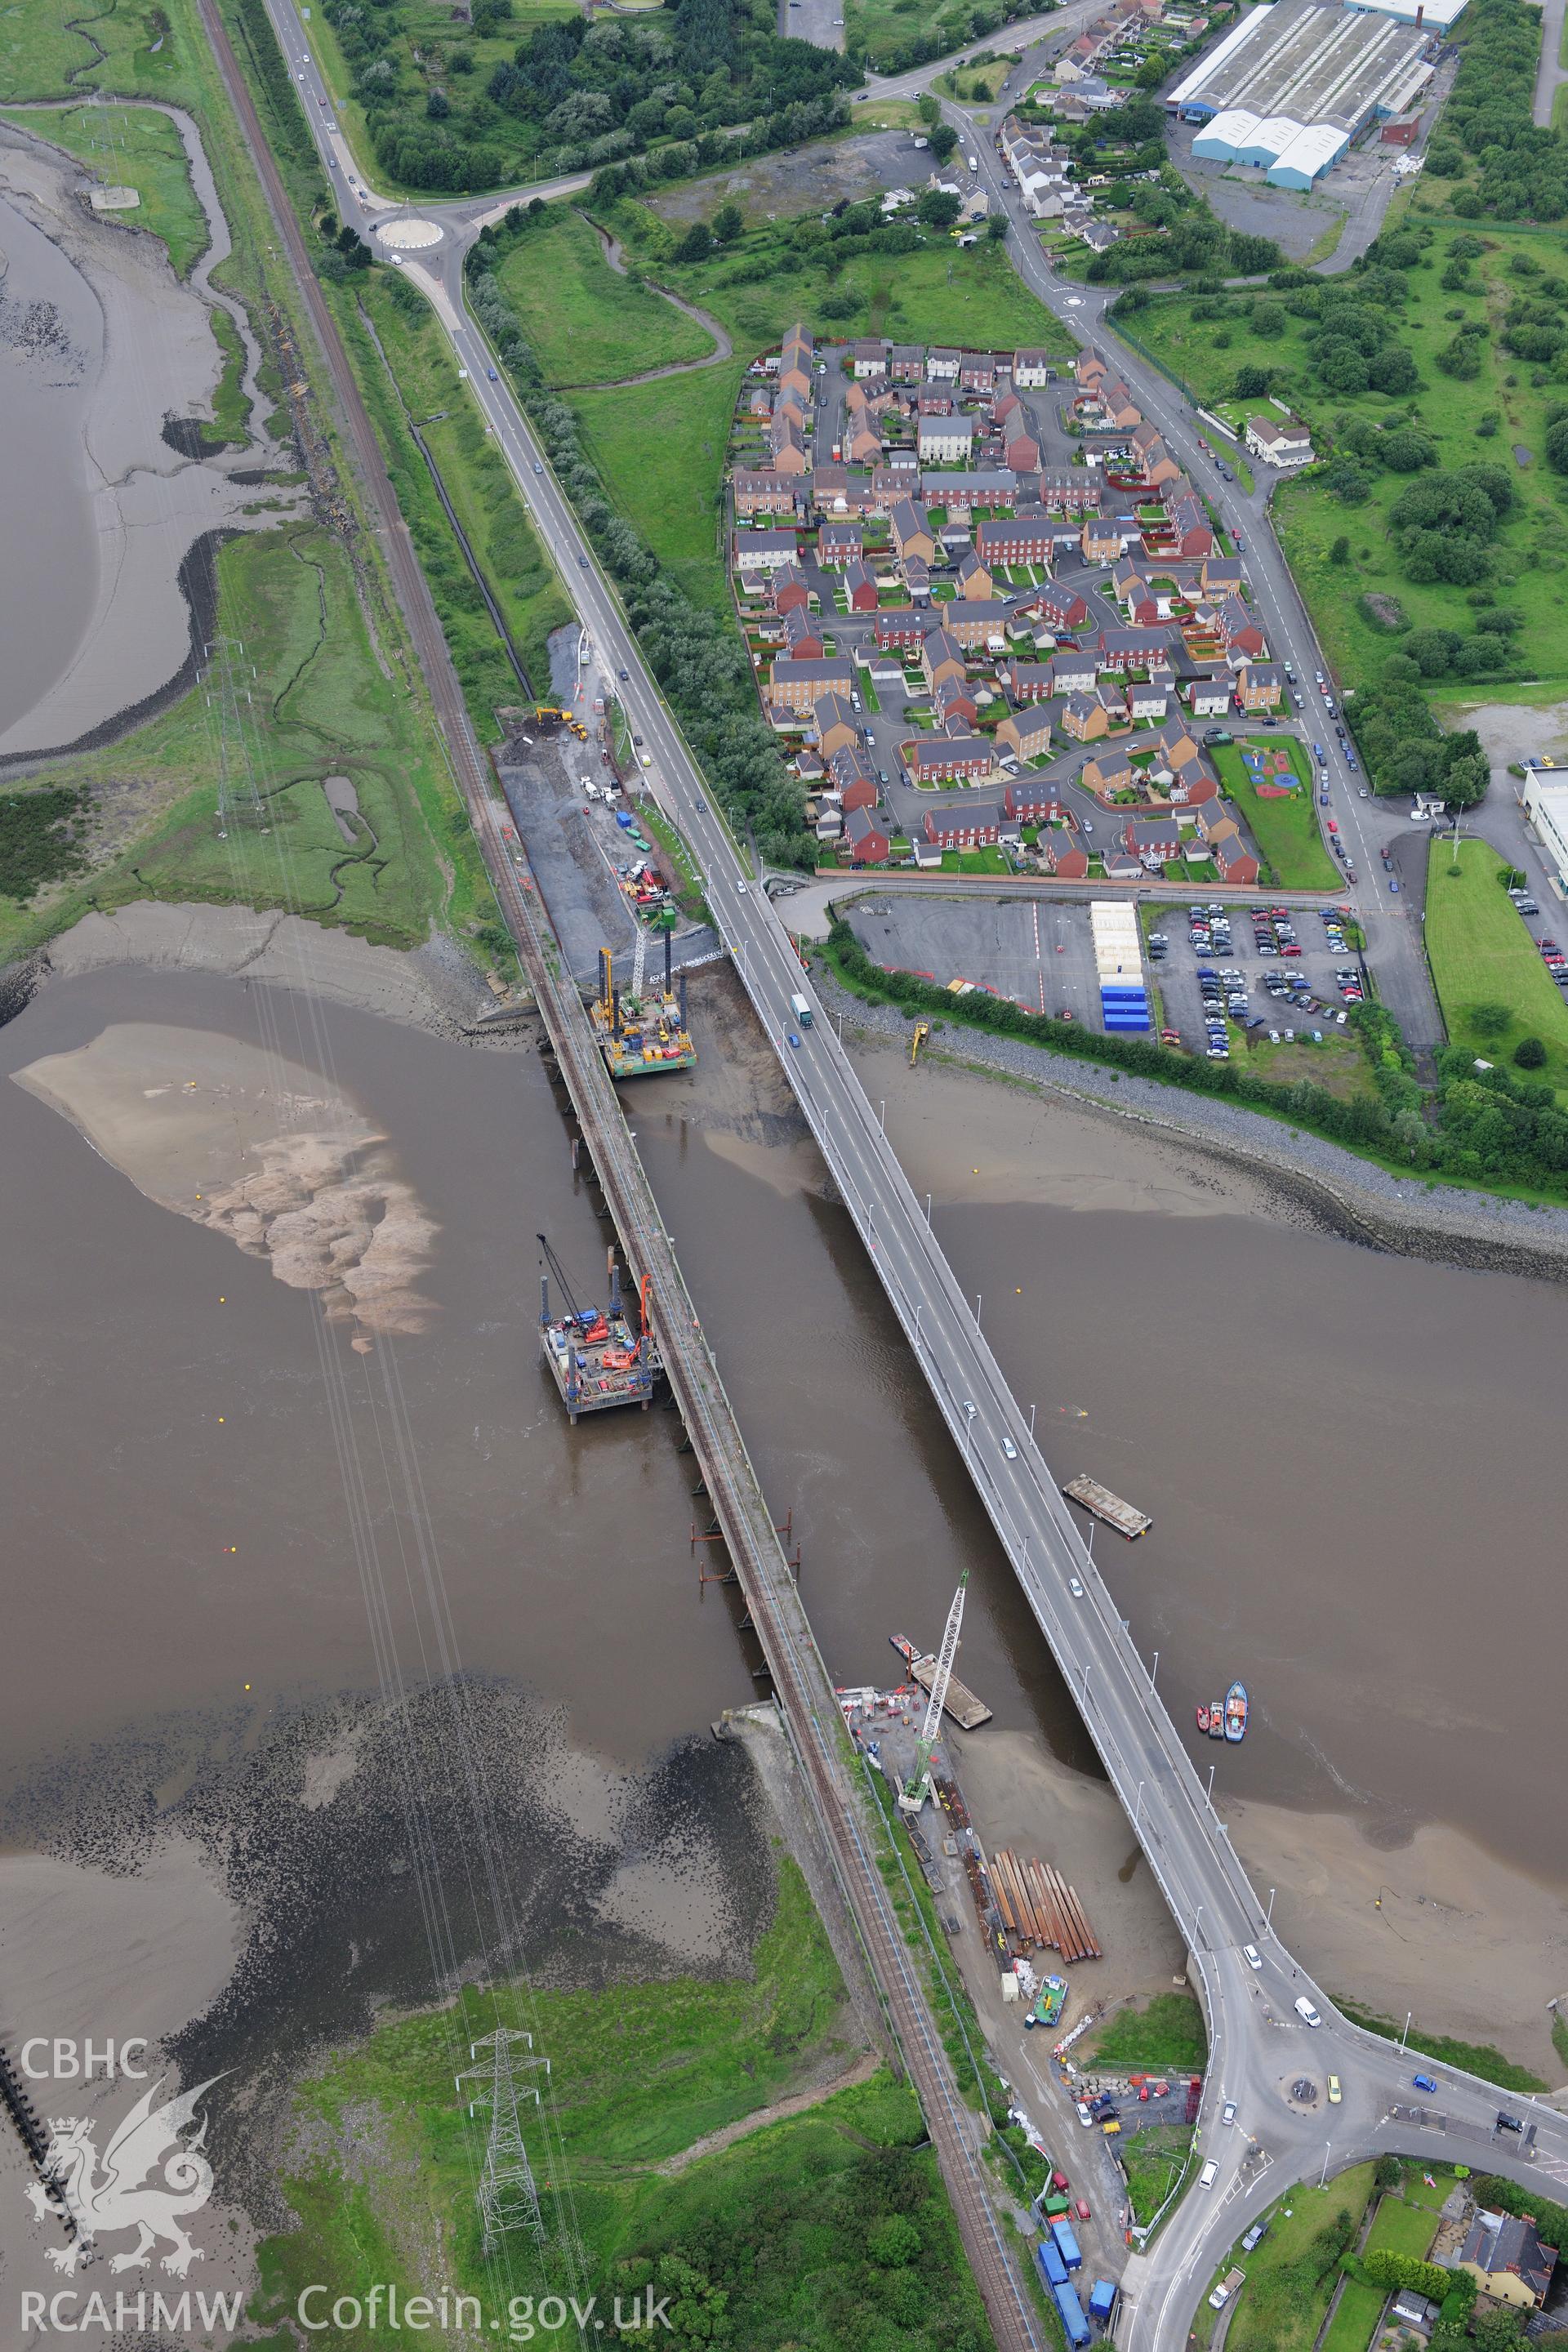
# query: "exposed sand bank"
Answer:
x=153 y=358
x=258 y=1148
x=1440 y=1926
x=433 y=987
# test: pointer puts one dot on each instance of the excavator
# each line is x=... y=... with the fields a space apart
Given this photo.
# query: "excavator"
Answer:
x=549 y=716
x=922 y=1031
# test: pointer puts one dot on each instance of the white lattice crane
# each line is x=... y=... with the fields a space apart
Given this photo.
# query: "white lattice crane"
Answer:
x=917 y=1788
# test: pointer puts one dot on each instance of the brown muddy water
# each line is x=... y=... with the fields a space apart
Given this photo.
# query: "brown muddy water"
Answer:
x=1348 y=1456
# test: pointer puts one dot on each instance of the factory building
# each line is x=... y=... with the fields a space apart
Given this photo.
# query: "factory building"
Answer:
x=1289 y=87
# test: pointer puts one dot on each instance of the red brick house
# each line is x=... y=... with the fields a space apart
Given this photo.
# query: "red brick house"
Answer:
x=1062 y=610
x=758 y=492
x=977 y=372
x=860 y=587
x=1028 y=681
x=1069 y=490
x=802 y=637
x=1063 y=856
x=853 y=778
x=1190 y=527
x=1033 y=801
x=869 y=844
x=946 y=759
x=963 y=828
x=838 y=543
x=788 y=592
x=1234 y=862
x=1025 y=537
x=899 y=625
x=1239 y=632
x=1152 y=838
x=1125 y=649
x=1022 y=454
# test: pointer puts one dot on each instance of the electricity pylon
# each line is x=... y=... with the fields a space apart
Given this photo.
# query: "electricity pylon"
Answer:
x=508 y=2198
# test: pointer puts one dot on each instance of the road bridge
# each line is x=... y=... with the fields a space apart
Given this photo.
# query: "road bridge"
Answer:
x=1258 y=2041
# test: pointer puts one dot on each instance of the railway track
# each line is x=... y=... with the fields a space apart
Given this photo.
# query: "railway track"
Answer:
x=804 y=1691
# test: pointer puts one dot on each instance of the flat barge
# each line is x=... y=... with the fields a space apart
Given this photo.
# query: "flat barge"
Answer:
x=640 y=1036
x=1104 y=1505
x=595 y=1357
x=967 y=1711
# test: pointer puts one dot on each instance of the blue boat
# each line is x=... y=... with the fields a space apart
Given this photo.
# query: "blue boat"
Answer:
x=1236 y=1712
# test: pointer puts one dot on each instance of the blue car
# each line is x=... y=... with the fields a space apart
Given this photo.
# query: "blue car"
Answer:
x=1393 y=885
x=1423 y=2082
x=794 y=1041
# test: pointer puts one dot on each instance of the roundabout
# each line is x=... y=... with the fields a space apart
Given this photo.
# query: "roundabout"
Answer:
x=409 y=235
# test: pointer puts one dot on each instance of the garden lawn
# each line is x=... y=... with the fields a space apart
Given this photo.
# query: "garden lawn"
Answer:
x=1357 y=2314
x=1532 y=546
x=586 y=323
x=1286 y=831
x=1402 y=2229
x=131 y=147
x=1288 y=2283
x=1482 y=954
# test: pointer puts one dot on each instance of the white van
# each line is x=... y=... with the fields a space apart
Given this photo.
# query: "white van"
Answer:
x=1306 y=2012
x=1209 y=2174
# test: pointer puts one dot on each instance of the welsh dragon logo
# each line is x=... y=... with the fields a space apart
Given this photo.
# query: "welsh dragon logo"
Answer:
x=150 y=2178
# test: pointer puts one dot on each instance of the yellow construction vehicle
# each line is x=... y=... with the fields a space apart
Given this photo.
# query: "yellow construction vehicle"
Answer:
x=922 y=1031
x=546 y=715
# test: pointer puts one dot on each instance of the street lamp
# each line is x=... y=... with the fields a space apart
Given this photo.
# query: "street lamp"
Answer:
x=1211 y=1785
x=928 y=1195
x=1031 y=1424
x=977 y=1297
x=1406 y=2035
x=1269 y=1917
x=1328 y=2151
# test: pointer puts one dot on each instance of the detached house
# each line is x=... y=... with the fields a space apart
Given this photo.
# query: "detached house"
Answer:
x=943 y=365
x=1507 y=2260
x=1085 y=718
x=1075 y=673
x=1062 y=855
x=1025 y=733
x=1283 y=441
x=834 y=723
x=941 y=657
x=906 y=363
x=975 y=579
x=1032 y=681
x=957 y=712
x=1031 y=369
x=1239 y=632
x=803 y=638
x=854 y=780
x=1111 y=774
x=1259 y=685
x=869 y=361
x=1152 y=839
x=1100 y=539
x=788 y=591
x=860 y=587
x=912 y=533
x=1061 y=610
x=868 y=842
x=1189 y=526
x=1234 y=862
x=838 y=543
x=898 y=626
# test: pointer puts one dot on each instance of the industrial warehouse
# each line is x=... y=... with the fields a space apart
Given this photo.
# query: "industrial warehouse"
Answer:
x=1289 y=87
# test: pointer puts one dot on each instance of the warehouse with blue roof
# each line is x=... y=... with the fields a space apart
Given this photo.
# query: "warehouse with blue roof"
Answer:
x=1287 y=88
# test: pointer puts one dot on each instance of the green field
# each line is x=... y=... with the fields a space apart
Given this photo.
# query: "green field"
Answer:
x=879 y=30
x=661 y=450
x=836 y=2211
x=1482 y=955
x=1153 y=2161
x=1167 y=2033
x=1286 y=831
x=1531 y=549
x=132 y=147
x=587 y=324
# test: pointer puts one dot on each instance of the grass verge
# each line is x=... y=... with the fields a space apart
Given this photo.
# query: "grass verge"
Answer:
x=1154 y=2161
x=1291 y=2274
x=586 y=323
x=1475 y=2057
x=1166 y=2034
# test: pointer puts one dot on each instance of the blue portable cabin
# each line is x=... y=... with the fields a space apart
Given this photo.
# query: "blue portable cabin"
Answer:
x=1074 y=2324
x=1053 y=2270
x=1067 y=2244
x=1102 y=2301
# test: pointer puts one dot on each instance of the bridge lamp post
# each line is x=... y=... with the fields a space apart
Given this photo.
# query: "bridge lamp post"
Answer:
x=1153 y=1669
x=928 y=1195
x=977 y=1303
x=1031 y=1424
x=1323 y=2175
x=1268 y=1916
x=1406 y=2035
x=1211 y=1786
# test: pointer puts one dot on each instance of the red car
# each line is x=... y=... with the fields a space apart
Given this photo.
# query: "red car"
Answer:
x=1081 y=2210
